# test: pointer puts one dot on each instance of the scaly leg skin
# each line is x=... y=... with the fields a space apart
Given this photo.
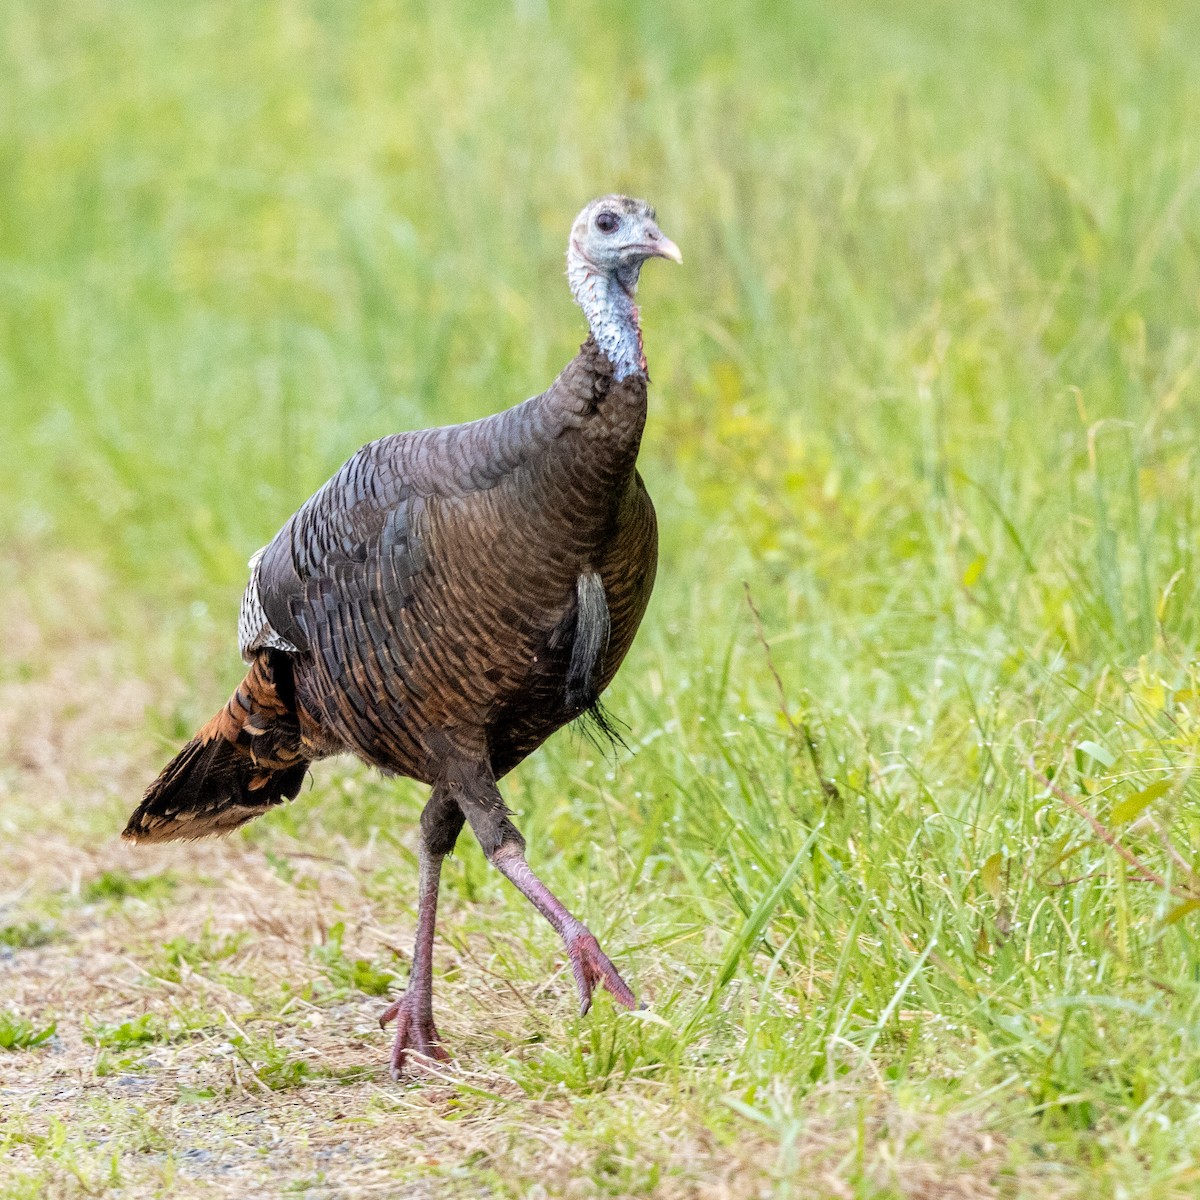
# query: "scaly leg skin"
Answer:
x=588 y=962
x=416 y=1034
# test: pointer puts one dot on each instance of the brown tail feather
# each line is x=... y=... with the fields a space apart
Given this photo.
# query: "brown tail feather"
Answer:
x=247 y=759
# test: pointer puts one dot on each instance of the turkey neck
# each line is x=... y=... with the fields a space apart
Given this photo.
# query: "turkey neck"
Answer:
x=612 y=316
x=605 y=384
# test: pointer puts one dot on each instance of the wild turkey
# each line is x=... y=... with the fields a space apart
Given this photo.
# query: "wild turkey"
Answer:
x=442 y=605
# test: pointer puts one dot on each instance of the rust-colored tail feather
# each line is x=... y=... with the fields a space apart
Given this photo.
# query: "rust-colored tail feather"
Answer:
x=247 y=759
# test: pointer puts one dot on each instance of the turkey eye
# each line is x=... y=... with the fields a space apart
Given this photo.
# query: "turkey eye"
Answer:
x=607 y=222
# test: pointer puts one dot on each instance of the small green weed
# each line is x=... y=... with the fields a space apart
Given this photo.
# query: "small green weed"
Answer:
x=346 y=974
x=208 y=948
x=272 y=1065
x=309 y=1186
x=116 y=886
x=149 y=1027
x=198 y=954
x=18 y=1034
x=28 y=935
x=282 y=866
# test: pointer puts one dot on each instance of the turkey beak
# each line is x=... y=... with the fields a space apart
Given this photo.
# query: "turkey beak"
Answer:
x=658 y=245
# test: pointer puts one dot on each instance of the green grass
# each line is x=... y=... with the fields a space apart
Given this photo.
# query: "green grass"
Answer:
x=928 y=383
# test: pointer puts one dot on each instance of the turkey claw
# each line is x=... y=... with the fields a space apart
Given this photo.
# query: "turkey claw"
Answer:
x=591 y=966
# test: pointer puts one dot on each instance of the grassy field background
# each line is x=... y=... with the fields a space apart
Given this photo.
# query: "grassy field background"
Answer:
x=928 y=384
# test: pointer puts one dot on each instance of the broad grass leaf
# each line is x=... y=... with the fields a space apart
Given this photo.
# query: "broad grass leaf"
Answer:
x=1180 y=911
x=1134 y=805
x=756 y=922
x=1098 y=752
x=990 y=876
x=650 y=1018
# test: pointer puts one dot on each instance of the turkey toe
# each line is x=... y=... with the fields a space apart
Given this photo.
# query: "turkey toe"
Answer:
x=591 y=966
x=416 y=1036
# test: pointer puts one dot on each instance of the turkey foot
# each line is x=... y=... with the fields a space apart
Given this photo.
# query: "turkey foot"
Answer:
x=591 y=966
x=416 y=1034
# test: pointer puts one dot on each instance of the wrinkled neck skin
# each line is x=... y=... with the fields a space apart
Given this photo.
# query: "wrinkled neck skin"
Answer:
x=612 y=316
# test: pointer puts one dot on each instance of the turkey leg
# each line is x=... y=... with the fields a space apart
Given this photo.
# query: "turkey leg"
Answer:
x=416 y=1034
x=505 y=847
x=588 y=962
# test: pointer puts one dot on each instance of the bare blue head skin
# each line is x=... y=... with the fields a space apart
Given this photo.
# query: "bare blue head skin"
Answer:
x=610 y=240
